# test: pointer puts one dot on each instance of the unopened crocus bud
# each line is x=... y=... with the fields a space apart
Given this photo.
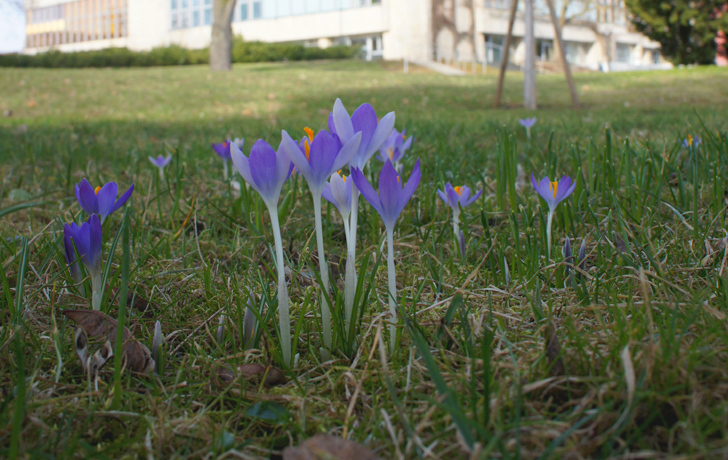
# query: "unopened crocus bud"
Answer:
x=582 y=255
x=507 y=271
x=249 y=322
x=568 y=256
x=220 y=329
x=157 y=343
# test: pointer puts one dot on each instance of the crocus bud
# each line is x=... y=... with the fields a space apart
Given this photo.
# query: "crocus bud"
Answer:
x=507 y=271
x=582 y=255
x=249 y=322
x=157 y=343
x=220 y=329
x=461 y=240
x=568 y=256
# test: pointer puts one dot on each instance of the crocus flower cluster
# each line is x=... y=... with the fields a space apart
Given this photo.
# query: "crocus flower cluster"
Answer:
x=224 y=151
x=691 y=141
x=99 y=203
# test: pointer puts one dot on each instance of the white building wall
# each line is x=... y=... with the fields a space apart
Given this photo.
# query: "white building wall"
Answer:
x=407 y=32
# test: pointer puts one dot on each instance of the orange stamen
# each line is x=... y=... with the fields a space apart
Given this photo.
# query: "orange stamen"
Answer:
x=690 y=139
x=309 y=132
x=391 y=153
x=459 y=190
x=307 y=148
x=553 y=186
x=340 y=175
x=96 y=190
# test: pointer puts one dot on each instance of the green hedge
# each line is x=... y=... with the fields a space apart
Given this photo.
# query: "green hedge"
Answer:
x=175 y=55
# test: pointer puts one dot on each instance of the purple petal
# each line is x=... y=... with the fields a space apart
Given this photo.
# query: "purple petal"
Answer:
x=106 y=198
x=464 y=195
x=332 y=125
x=87 y=198
x=262 y=162
x=321 y=159
x=409 y=188
x=295 y=154
x=475 y=197
x=328 y=196
x=366 y=190
x=407 y=144
x=347 y=152
x=68 y=233
x=381 y=133
x=96 y=242
x=240 y=162
x=122 y=200
x=390 y=186
x=342 y=122
x=443 y=197
x=562 y=188
x=283 y=167
x=452 y=197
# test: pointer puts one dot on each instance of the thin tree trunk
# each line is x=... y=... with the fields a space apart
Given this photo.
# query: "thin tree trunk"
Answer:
x=529 y=69
x=221 y=41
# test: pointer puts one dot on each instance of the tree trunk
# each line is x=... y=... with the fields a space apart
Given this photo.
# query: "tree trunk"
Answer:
x=529 y=69
x=221 y=41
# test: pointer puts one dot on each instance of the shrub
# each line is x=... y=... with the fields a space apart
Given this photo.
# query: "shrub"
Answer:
x=176 y=55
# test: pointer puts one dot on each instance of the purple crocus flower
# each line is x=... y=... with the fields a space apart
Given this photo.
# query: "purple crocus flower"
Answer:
x=392 y=197
x=223 y=149
x=102 y=200
x=691 y=141
x=553 y=193
x=266 y=171
x=317 y=159
x=88 y=239
x=457 y=198
x=389 y=203
x=394 y=147
x=161 y=161
x=528 y=124
x=338 y=192
x=364 y=120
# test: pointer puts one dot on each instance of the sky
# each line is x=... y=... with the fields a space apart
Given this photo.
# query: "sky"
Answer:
x=12 y=26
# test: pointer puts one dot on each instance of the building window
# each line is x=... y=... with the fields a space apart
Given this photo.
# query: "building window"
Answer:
x=174 y=4
x=257 y=13
x=195 y=18
x=244 y=11
x=208 y=16
x=494 y=48
x=623 y=53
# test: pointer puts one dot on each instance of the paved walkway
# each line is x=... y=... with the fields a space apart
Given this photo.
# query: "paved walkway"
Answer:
x=440 y=68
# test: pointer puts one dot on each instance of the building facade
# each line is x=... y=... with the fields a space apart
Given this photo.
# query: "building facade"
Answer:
x=597 y=34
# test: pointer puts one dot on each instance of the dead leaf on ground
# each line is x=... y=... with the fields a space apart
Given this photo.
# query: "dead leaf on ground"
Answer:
x=250 y=372
x=324 y=446
x=96 y=324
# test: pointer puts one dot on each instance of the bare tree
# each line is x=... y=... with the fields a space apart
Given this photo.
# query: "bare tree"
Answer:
x=221 y=41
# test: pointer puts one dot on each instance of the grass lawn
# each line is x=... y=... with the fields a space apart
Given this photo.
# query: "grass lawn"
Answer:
x=500 y=354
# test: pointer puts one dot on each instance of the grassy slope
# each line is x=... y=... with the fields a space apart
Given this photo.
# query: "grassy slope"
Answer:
x=102 y=124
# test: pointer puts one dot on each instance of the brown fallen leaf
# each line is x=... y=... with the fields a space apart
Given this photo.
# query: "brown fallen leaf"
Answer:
x=224 y=375
x=135 y=355
x=327 y=447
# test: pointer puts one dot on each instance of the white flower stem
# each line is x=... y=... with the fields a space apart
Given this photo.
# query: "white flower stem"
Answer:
x=350 y=280
x=225 y=170
x=323 y=271
x=528 y=133
x=391 y=274
x=161 y=174
x=456 y=224
x=96 y=285
x=351 y=277
x=284 y=321
x=549 y=222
